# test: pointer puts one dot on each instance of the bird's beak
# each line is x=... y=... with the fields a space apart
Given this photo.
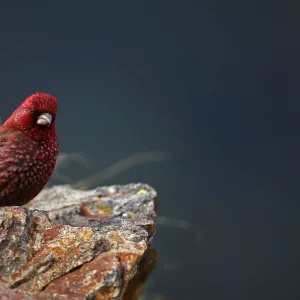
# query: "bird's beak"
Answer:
x=44 y=119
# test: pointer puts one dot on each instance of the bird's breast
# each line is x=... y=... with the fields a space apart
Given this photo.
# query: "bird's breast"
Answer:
x=24 y=171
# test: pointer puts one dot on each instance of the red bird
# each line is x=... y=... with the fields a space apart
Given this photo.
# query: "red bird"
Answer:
x=28 y=149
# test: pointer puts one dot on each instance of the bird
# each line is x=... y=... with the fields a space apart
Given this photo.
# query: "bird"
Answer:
x=28 y=149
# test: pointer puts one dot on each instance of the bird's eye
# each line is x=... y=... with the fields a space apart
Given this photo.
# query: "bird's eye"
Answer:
x=32 y=111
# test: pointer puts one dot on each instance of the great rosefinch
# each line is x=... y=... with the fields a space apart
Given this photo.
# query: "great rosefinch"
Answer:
x=28 y=149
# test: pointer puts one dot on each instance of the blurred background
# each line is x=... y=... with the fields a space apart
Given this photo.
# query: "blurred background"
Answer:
x=215 y=84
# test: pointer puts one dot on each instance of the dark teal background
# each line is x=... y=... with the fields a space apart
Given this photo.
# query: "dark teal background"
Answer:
x=214 y=83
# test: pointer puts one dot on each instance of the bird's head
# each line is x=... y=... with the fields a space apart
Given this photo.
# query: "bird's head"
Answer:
x=35 y=116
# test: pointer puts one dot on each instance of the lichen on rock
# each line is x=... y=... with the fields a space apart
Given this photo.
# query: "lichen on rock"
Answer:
x=74 y=244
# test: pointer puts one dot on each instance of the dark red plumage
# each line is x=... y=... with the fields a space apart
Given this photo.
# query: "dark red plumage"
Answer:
x=28 y=149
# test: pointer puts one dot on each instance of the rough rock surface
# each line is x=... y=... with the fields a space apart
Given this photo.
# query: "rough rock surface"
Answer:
x=88 y=245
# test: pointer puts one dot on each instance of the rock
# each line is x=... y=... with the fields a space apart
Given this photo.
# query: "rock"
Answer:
x=73 y=244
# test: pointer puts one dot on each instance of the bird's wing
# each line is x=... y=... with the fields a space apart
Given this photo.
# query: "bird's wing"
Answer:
x=12 y=159
x=14 y=148
x=9 y=141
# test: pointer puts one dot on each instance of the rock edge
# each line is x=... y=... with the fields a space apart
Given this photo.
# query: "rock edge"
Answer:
x=74 y=244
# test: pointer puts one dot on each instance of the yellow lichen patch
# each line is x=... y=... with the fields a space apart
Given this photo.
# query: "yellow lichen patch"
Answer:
x=104 y=208
x=142 y=192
